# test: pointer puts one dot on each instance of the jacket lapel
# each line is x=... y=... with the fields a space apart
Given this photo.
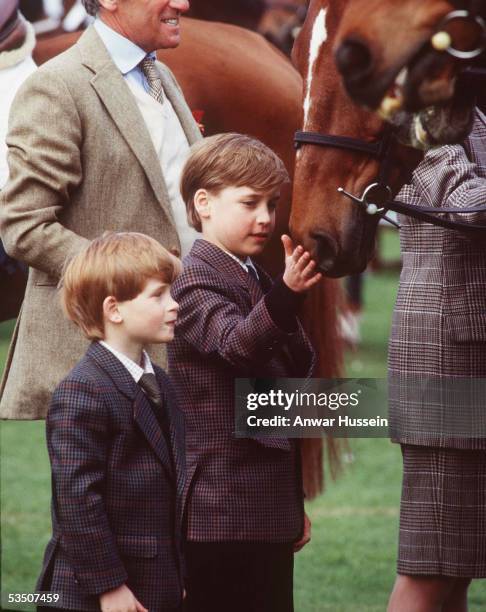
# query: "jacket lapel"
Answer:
x=145 y=418
x=143 y=414
x=176 y=426
x=228 y=267
x=120 y=104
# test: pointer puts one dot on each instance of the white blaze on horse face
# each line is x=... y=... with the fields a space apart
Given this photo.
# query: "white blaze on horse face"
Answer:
x=318 y=38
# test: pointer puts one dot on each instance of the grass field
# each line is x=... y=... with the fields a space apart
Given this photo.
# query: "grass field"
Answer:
x=350 y=564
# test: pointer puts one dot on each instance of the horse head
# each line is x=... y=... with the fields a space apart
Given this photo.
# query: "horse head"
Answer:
x=338 y=233
x=403 y=58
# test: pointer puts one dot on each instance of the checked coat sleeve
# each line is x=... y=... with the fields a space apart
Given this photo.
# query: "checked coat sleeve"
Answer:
x=453 y=176
x=211 y=320
x=78 y=428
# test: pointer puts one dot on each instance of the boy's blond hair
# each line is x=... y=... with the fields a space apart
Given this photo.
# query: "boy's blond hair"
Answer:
x=117 y=264
x=229 y=160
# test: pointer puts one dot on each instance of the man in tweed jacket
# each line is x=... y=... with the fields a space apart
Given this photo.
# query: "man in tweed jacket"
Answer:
x=116 y=438
x=439 y=332
x=244 y=509
x=89 y=151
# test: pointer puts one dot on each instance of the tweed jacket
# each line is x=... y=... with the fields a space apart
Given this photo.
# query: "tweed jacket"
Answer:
x=81 y=162
x=237 y=489
x=439 y=322
x=116 y=505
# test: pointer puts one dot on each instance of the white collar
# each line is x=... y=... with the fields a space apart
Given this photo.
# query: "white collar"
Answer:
x=135 y=370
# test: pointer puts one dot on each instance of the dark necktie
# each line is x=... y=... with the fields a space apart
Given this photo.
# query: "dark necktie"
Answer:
x=149 y=384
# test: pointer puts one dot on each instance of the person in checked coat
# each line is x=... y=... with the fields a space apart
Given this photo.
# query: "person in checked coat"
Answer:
x=439 y=334
x=244 y=515
x=116 y=439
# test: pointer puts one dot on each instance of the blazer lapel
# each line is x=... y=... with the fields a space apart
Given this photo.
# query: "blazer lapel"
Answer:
x=228 y=267
x=176 y=426
x=120 y=104
x=145 y=418
x=143 y=413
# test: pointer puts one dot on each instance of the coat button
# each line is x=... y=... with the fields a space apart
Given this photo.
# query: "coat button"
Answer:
x=175 y=251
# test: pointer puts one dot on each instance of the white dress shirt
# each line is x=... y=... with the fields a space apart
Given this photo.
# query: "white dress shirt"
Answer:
x=163 y=125
x=135 y=370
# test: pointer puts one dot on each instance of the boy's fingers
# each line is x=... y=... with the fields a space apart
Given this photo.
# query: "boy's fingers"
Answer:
x=287 y=244
x=314 y=280
x=297 y=254
x=303 y=261
x=139 y=606
x=309 y=268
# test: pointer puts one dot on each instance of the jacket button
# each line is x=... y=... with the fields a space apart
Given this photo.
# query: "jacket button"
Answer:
x=175 y=251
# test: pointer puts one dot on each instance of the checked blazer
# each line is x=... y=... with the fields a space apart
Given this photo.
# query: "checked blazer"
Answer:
x=237 y=489
x=439 y=321
x=116 y=505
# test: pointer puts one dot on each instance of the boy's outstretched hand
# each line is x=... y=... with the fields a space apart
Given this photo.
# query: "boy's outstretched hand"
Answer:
x=120 y=599
x=300 y=274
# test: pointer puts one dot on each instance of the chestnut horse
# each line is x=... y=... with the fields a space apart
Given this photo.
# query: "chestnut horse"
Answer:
x=393 y=67
x=243 y=84
x=339 y=234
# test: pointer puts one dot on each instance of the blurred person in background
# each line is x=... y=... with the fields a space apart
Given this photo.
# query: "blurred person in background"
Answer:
x=17 y=41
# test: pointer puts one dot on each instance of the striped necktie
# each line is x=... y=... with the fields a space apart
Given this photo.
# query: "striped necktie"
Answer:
x=148 y=68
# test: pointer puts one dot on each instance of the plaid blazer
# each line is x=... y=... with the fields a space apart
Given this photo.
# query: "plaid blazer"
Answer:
x=439 y=322
x=116 y=506
x=237 y=489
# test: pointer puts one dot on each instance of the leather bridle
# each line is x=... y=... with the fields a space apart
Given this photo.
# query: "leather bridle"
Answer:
x=377 y=196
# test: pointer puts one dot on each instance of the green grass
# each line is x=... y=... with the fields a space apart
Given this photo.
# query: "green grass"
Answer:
x=350 y=564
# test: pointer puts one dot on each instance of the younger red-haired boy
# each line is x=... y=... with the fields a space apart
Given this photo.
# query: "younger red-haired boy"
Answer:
x=116 y=438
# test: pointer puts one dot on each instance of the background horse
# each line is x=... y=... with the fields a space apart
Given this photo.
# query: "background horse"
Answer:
x=243 y=84
x=339 y=234
x=395 y=61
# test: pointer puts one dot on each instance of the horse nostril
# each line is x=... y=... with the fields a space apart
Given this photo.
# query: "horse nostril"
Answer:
x=327 y=250
x=353 y=59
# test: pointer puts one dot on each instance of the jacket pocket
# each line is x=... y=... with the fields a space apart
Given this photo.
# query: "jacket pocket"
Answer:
x=462 y=328
x=137 y=546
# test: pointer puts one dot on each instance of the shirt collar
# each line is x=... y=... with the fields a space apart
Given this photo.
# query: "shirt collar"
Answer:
x=135 y=370
x=125 y=54
x=243 y=264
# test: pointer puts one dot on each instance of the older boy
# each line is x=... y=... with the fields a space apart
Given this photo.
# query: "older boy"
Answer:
x=116 y=438
x=245 y=514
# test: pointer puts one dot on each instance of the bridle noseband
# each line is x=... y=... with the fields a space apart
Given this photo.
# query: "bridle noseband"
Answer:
x=377 y=196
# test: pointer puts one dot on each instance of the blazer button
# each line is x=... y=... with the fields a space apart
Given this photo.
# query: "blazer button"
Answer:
x=175 y=251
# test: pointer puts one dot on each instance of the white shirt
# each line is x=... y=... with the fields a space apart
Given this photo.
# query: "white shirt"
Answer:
x=162 y=123
x=10 y=81
x=134 y=369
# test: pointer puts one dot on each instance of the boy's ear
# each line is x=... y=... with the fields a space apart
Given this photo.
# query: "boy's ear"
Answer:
x=110 y=310
x=201 y=203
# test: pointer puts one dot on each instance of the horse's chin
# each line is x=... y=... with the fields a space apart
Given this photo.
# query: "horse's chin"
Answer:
x=352 y=255
x=437 y=125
